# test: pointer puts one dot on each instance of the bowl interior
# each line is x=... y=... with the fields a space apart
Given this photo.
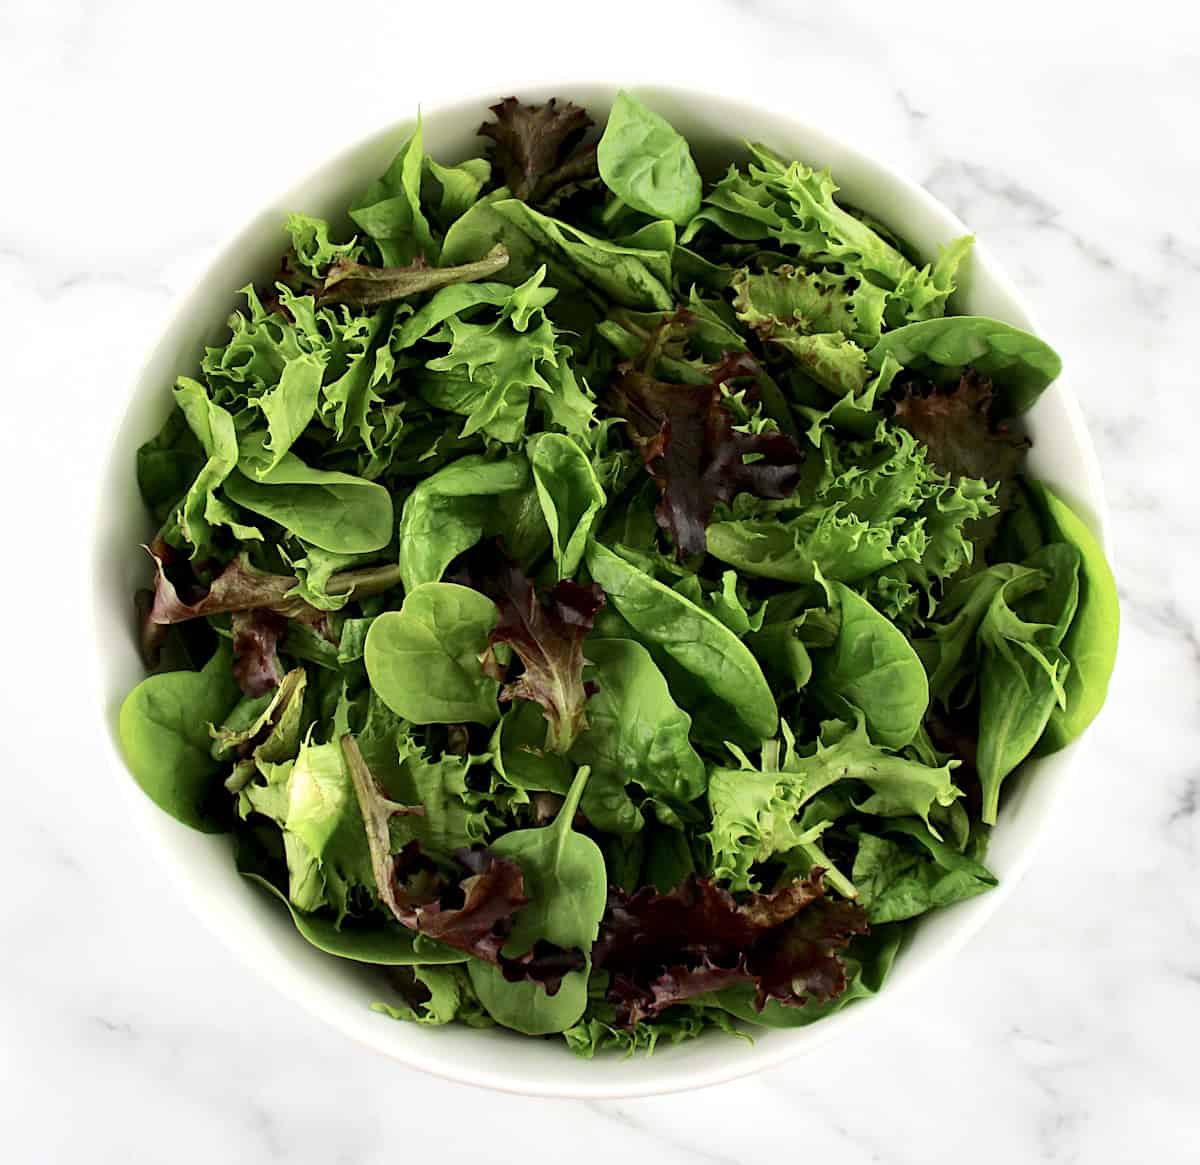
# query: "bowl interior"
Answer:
x=341 y=992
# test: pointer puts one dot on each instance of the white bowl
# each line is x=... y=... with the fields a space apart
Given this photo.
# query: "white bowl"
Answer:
x=256 y=927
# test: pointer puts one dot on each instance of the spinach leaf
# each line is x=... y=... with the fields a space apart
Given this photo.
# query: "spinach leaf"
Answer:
x=781 y=644
x=164 y=733
x=387 y=945
x=390 y=209
x=626 y=275
x=647 y=164
x=872 y=668
x=520 y=756
x=1090 y=643
x=713 y=673
x=449 y=511
x=1019 y=364
x=334 y=511
x=896 y=881
x=167 y=465
x=567 y=889
x=570 y=494
x=636 y=734
x=1022 y=668
x=424 y=660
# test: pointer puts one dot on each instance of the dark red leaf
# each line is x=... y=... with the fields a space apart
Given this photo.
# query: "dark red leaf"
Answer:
x=239 y=587
x=800 y=959
x=471 y=911
x=256 y=636
x=546 y=633
x=474 y=913
x=538 y=148
x=663 y=948
x=695 y=455
x=675 y=985
x=955 y=426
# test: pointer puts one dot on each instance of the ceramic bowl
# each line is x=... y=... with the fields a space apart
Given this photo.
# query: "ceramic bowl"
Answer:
x=256 y=927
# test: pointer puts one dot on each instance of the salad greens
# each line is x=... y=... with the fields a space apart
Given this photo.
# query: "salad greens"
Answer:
x=611 y=605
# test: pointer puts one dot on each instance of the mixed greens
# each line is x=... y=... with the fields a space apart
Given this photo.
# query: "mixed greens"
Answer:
x=609 y=604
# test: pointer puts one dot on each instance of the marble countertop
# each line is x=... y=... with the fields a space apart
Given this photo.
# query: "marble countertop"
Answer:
x=138 y=135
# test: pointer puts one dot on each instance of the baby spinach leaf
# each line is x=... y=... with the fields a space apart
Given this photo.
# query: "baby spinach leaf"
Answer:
x=519 y=752
x=1019 y=365
x=896 y=881
x=570 y=494
x=567 y=888
x=390 y=209
x=386 y=944
x=647 y=164
x=449 y=511
x=473 y=235
x=871 y=667
x=164 y=734
x=781 y=644
x=1022 y=667
x=950 y=656
x=636 y=734
x=626 y=275
x=714 y=676
x=334 y=511
x=1090 y=643
x=167 y=465
x=424 y=660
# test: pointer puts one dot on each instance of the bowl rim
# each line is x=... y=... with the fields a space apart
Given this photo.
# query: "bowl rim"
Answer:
x=238 y=937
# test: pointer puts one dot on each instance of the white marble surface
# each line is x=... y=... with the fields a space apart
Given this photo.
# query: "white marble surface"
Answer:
x=136 y=136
